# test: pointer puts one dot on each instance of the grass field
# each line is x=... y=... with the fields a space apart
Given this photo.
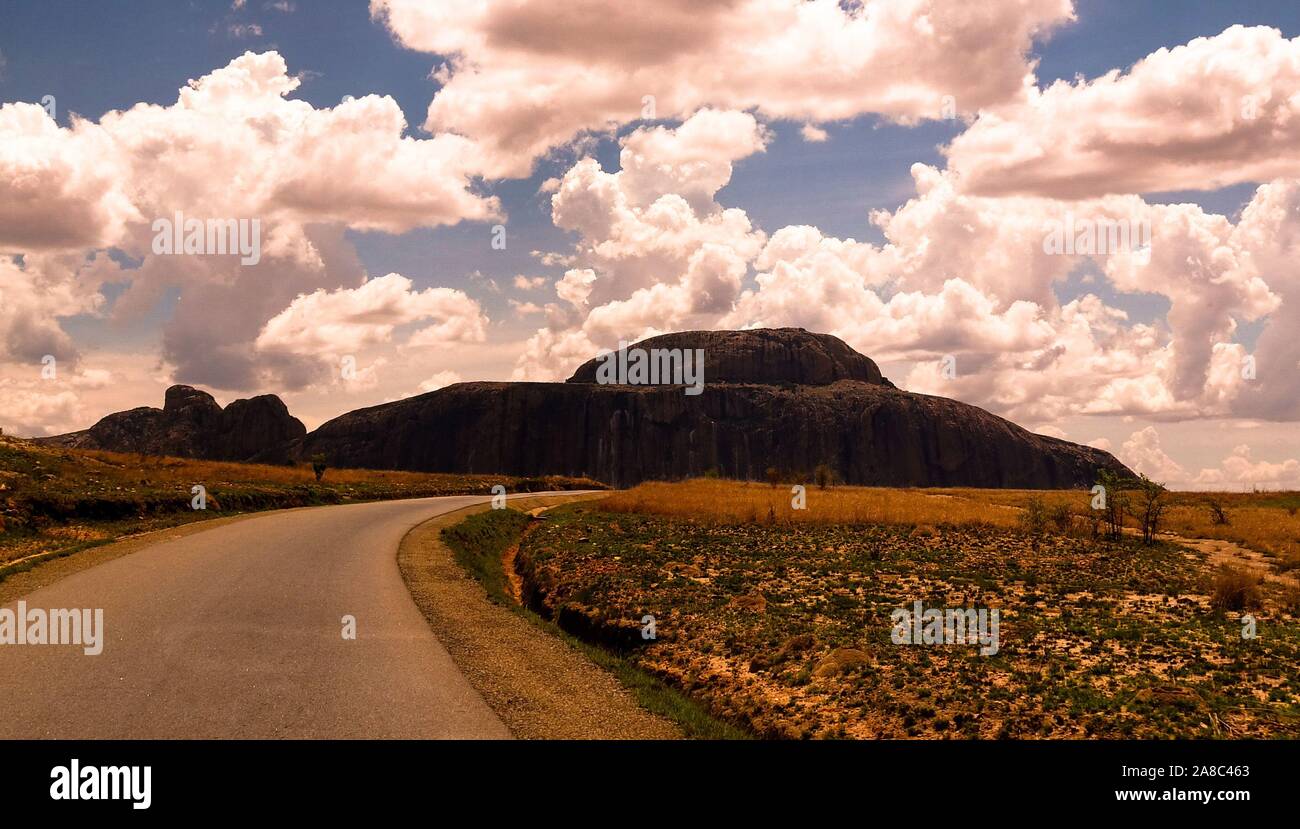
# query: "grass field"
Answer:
x=57 y=501
x=780 y=620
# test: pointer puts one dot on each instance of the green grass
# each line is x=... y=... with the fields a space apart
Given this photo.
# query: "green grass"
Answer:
x=478 y=543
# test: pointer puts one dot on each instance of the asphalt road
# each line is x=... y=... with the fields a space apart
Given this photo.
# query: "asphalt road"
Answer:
x=237 y=631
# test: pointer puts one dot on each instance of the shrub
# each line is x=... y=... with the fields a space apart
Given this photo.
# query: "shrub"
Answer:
x=1062 y=518
x=1035 y=516
x=1235 y=589
x=1218 y=515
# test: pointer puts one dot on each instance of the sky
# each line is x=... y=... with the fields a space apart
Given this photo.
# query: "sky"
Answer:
x=455 y=190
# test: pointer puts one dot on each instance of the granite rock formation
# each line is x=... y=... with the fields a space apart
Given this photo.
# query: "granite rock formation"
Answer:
x=191 y=424
x=772 y=398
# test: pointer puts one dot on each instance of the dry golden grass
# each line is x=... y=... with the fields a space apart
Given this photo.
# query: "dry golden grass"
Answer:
x=182 y=470
x=1266 y=522
x=55 y=500
x=739 y=501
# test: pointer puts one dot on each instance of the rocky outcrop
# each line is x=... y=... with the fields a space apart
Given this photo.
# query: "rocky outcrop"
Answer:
x=772 y=398
x=191 y=424
x=766 y=356
x=781 y=398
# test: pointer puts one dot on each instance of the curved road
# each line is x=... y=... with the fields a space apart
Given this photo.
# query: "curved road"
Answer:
x=236 y=631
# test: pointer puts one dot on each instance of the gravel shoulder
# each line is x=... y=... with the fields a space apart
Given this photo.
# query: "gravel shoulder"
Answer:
x=541 y=687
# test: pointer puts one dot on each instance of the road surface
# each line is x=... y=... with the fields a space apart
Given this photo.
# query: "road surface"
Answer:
x=237 y=631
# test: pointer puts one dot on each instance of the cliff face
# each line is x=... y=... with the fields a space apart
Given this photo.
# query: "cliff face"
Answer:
x=191 y=424
x=779 y=398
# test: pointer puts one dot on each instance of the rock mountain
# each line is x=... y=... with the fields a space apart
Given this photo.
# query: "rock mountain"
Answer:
x=782 y=398
x=191 y=424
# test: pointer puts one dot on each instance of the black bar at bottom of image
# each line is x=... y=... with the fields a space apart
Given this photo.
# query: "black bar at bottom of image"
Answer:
x=146 y=778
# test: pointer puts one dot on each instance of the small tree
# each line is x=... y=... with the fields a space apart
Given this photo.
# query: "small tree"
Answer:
x=319 y=463
x=1148 y=506
x=773 y=476
x=1115 y=502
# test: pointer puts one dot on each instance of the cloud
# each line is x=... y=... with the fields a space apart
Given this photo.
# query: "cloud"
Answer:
x=1217 y=111
x=575 y=286
x=75 y=396
x=526 y=308
x=32 y=298
x=1239 y=470
x=1269 y=235
x=33 y=412
x=637 y=217
x=439 y=380
x=1142 y=453
x=234 y=145
x=524 y=76
x=813 y=134
x=529 y=283
x=1019 y=350
x=693 y=161
x=552 y=259
x=59 y=188
x=244 y=30
x=347 y=320
x=552 y=354
x=36 y=406
x=959 y=275
x=636 y=232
